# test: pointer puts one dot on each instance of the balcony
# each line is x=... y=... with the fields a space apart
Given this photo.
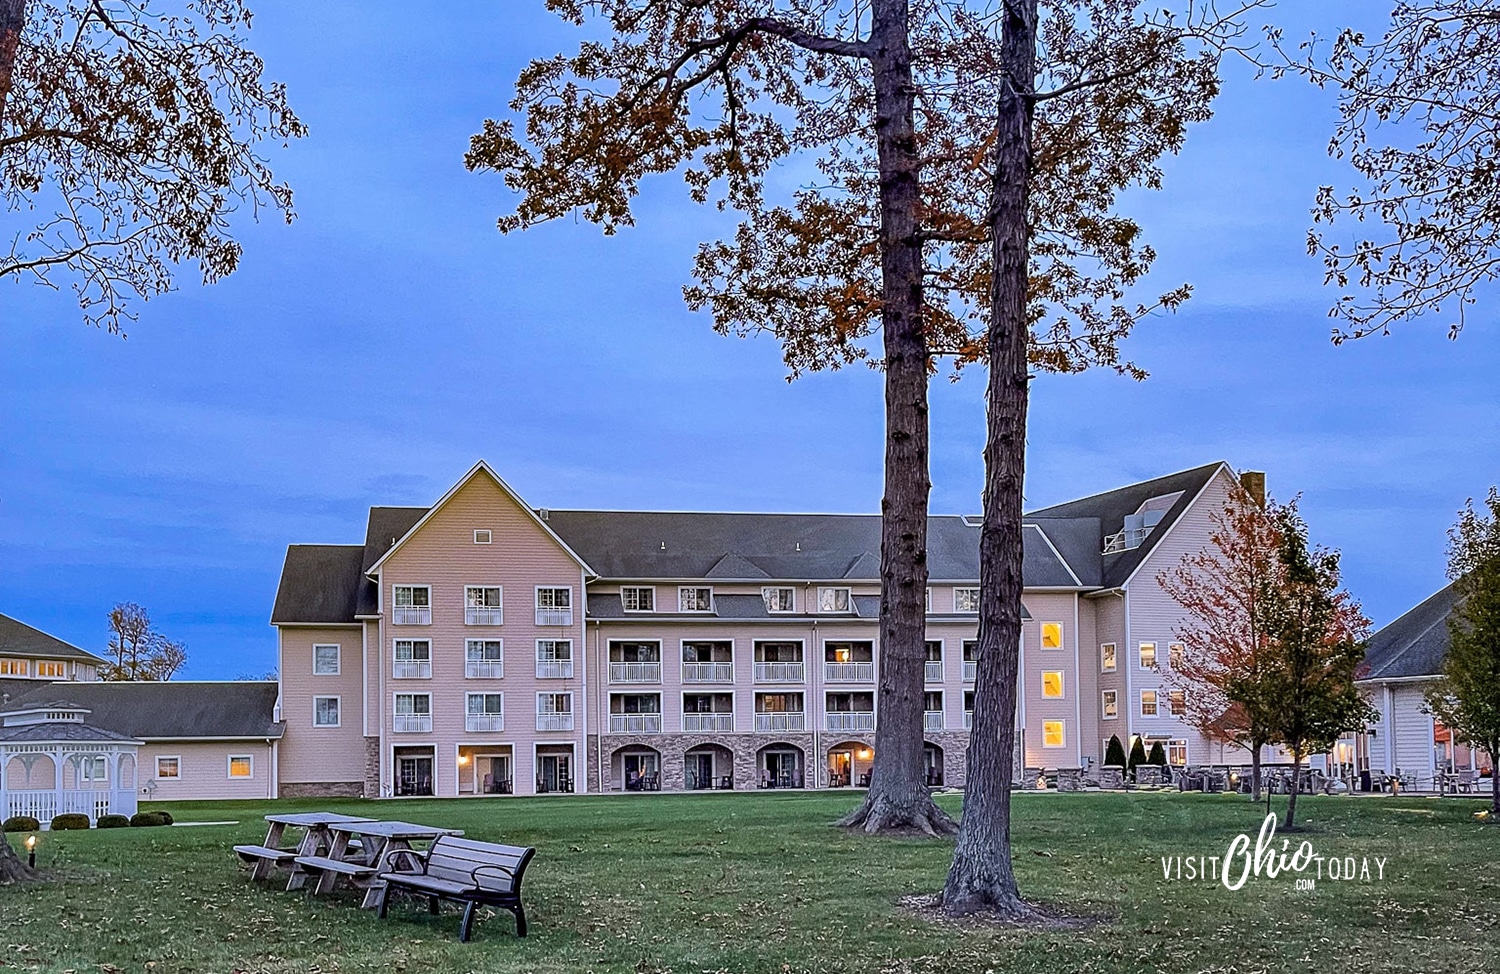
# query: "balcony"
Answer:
x=778 y=672
x=554 y=617
x=932 y=720
x=412 y=615
x=635 y=672
x=412 y=669
x=484 y=722
x=781 y=721
x=635 y=723
x=554 y=669
x=484 y=669
x=707 y=723
x=851 y=720
x=971 y=670
x=933 y=672
x=707 y=672
x=849 y=672
x=411 y=723
x=483 y=617
x=554 y=722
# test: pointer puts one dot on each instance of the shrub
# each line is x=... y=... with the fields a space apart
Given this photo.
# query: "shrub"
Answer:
x=1158 y=756
x=112 y=822
x=1114 y=752
x=166 y=818
x=70 y=820
x=20 y=823
x=147 y=819
x=1137 y=755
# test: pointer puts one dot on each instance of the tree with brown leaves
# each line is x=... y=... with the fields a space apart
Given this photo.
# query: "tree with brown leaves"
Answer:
x=127 y=139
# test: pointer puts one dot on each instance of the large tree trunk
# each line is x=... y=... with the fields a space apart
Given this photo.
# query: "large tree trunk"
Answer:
x=1291 y=802
x=981 y=877
x=1494 y=784
x=12 y=22
x=898 y=799
x=13 y=868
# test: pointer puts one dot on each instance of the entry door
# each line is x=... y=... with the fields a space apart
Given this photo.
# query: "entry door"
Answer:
x=700 y=770
x=414 y=776
x=840 y=763
x=496 y=780
x=556 y=773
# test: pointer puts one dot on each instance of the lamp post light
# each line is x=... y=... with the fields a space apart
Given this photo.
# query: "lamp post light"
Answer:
x=31 y=851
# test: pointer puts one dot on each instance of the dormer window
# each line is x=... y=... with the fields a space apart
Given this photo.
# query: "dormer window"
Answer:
x=833 y=600
x=638 y=598
x=695 y=599
x=15 y=667
x=1138 y=526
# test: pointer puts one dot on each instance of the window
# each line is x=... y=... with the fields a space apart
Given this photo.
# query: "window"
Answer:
x=779 y=599
x=484 y=659
x=241 y=766
x=484 y=712
x=1111 y=704
x=325 y=711
x=1148 y=656
x=554 y=711
x=1177 y=752
x=833 y=600
x=1106 y=657
x=927 y=603
x=325 y=660
x=93 y=768
x=1176 y=703
x=168 y=767
x=1175 y=653
x=484 y=605
x=50 y=668
x=413 y=605
x=482 y=536
x=638 y=598
x=692 y=599
x=554 y=659
x=1148 y=703
x=966 y=600
x=413 y=713
x=1054 y=733
x=14 y=667
x=412 y=659
x=554 y=607
x=1052 y=684
x=1052 y=635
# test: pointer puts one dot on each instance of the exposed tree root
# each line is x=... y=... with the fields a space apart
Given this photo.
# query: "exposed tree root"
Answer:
x=13 y=868
x=1013 y=912
x=881 y=815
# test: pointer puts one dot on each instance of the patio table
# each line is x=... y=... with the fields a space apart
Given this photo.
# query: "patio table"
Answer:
x=315 y=840
x=379 y=840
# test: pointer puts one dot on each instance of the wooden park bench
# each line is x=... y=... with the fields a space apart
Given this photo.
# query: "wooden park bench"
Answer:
x=463 y=871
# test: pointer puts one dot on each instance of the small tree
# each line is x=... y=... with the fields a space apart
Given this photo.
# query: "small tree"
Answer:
x=137 y=650
x=1114 y=752
x=1137 y=756
x=1158 y=755
x=1467 y=698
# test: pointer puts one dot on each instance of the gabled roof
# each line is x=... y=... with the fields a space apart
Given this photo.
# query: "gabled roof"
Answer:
x=168 y=711
x=1414 y=645
x=19 y=639
x=388 y=525
x=320 y=583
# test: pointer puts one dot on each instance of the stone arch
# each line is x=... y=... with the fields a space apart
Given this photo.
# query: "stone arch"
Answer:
x=25 y=772
x=781 y=764
x=933 y=759
x=849 y=762
x=707 y=764
x=633 y=764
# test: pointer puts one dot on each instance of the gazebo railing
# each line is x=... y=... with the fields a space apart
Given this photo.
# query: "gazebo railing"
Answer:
x=43 y=804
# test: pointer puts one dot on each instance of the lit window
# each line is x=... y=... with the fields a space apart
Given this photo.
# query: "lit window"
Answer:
x=1148 y=656
x=241 y=766
x=14 y=667
x=1177 y=752
x=637 y=598
x=1052 y=635
x=1107 y=658
x=1053 y=734
x=779 y=599
x=966 y=600
x=1111 y=704
x=50 y=668
x=833 y=600
x=1176 y=702
x=694 y=599
x=168 y=767
x=325 y=660
x=1148 y=703
x=325 y=711
x=1052 y=683
x=1175 y=653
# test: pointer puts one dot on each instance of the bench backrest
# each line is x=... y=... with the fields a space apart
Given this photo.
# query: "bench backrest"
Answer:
x=455 y=860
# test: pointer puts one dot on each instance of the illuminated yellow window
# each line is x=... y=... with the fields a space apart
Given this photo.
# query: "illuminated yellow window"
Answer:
x=1107 y=657
x=46 y=668
x=1148 y=656
x=14 y=667
x=1053 y=734
x=1052 y=635
x=240 y=766
x=1052 y=683
x=1148 y=703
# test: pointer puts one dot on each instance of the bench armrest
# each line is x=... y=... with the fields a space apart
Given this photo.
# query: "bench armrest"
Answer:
x=418 y=863
x=474 y=873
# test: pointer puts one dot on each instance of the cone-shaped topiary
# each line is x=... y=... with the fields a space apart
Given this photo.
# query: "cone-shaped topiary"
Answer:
x=1114 y=753
x=1137 y=755
x=1158 y=755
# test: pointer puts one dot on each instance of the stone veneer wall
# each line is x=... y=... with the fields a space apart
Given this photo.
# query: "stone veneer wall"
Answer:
x=372 y=767
x=322 y=789
x=591 y=763
x=743 y=748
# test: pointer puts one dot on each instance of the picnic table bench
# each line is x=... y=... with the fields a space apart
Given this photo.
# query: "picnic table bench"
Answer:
x=464 y=871
x=361 y=860
x=264 y=858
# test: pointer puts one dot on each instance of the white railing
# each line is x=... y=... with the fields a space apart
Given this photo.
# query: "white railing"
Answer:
x=778 y=672
x=484 y=669
x=635 y=672
x=484 y=616
x=933 y=671
x=851 y=720
x=707 y=672
x=412 y=615
x=412 y=669
x=554 y=722
x=484 y=722
x=932 y=720
x=1125 y=540
x=43 y=804
x=968 y=720
x=554 y=669
x=554 y=617
x=971 y=670
x=849 y=672
x=780 y=722
x=635 y=723
x=707 y=723
x=411 y=723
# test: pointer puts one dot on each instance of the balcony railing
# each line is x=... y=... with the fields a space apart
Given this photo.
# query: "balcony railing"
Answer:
x=484 y=722
x=554 y=669
x=971 y=670
x=554 y=722
x=707 y=723
x=778 y=672
x=483 y=616
x=412 y=615
x=484 y=669
x=780 y=721
x=933 y=672
x=932 y=720
x=849 y=672
x=411 y=723
x=554 y=617
x=851 y=720
x=635 y=672
x=635 y=723
x=412 y=669
x=707 y=672
x=968 y=720
x=1125 y=540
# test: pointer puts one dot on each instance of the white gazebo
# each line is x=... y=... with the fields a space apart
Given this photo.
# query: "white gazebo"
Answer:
x=53 y=763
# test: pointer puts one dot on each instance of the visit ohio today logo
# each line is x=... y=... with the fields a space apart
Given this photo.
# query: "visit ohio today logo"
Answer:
x=1268 y=859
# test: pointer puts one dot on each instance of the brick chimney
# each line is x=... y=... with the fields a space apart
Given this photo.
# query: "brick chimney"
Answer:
x=1254 y=482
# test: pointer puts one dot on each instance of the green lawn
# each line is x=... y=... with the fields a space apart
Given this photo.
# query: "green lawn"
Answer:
x=711 y=883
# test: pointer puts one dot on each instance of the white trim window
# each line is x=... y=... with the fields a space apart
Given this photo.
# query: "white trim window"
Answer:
x=326 y=711
x=779 y=599
x=484 y=659
x=927 y=600
x=411 y=605
x=638 y=598
x=412 y=713
x=1108 y=657
x=1175 y=654
x=1052 y=635
x=169 y=766
x=484 y=712
x=411 y=659
x=554 y=711
x=1110 y=704
x=554 y=659
x=834 y=599
x=484 y=605
x=15 y=667
x=241 y=766
x=966 y=600
x=93 y=767
x=50 y=668
x=695 y=598
x=1052 y=684
x=1177 y=752
x=1054 y=733
x=1176 y=702
x=1148 y=656
x=483 y=536
x=1148 y=703
x=554 y=606
x=325 y=659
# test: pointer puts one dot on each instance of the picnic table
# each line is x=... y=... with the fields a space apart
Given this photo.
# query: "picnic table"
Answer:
x=316 y=839
x=378 y=842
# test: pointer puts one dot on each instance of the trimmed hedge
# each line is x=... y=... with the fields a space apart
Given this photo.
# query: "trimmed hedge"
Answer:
x=150 y=819
x=1114 y=752
x=166 y=818
x=21 y=823
x=112 y=822
x=70 y=820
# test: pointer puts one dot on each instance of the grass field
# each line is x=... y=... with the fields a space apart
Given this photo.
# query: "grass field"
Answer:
x=731 y=883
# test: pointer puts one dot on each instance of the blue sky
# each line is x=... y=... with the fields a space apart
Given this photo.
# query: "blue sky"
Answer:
x=372 y=351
